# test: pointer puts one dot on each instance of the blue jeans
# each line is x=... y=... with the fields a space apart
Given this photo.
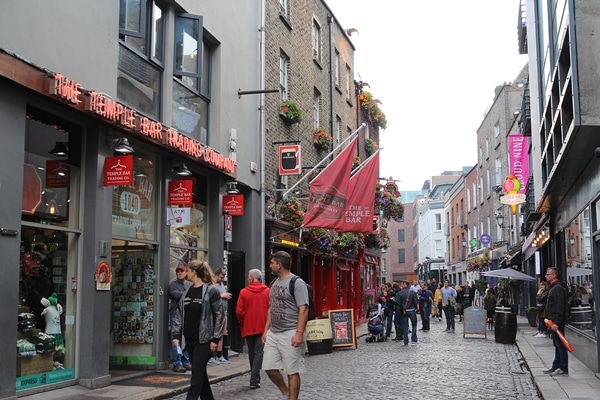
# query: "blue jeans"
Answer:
x=412 y=315
x=425 y=315
x=179 y=360
x=561 y=357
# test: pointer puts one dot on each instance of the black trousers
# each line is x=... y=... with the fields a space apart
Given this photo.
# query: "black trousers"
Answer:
x=199 y=385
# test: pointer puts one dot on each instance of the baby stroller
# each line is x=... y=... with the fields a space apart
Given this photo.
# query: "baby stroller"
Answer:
x=375 y=324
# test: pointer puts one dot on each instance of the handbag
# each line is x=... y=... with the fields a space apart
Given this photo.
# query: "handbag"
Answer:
x=539 y=307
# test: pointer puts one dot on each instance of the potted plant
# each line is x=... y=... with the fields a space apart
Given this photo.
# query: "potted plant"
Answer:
x=531 y=313
x=291 y=112
x=322 y=140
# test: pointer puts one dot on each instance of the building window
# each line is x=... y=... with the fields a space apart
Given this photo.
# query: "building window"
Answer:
x=316 y=40
x=438 y=222
x=400 y=235
x=284 y=63
x=140 y=62
x=401 y=256
x=336 y=69
x=284 y=8
x=497 y=133
x=316 y=109
x=188 y=42
x=487 y=148
x=498 y=172
x=468 y=196
x=349 y=83
x=191 y=110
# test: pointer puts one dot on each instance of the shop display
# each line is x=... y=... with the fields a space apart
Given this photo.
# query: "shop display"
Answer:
x=133 y=306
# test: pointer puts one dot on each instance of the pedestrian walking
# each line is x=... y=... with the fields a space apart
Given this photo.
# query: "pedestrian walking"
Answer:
x=284 y=330
x=437 y=297
x=251 y=313
x=425 y=304
x=177 y=287
x=448 y=293
x=407 y=302
x=221 y=356
x=556 y=311
x=198 y=325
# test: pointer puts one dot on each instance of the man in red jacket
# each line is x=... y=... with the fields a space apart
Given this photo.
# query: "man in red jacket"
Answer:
x=251 y=312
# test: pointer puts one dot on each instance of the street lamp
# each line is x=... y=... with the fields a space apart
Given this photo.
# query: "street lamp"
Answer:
x=500 y=219
x=464 y=245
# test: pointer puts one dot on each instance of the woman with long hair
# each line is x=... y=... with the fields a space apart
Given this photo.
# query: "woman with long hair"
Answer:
x=198 y=325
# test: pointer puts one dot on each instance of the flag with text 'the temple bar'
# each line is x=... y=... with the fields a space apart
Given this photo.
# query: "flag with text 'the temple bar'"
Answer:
x=358 y=216
x=328 y=192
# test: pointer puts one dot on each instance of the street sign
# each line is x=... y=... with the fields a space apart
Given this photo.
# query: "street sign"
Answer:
x=485 y=239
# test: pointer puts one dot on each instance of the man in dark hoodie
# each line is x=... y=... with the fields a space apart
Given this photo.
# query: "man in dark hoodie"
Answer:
x=556 y=311
x=251 y=312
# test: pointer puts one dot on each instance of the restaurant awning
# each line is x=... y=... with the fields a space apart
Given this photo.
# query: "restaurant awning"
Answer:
x=371 y=260
x=343 y=265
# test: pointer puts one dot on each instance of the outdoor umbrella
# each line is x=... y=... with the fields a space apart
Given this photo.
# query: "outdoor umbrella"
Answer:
x=508 y=273
x=576 y=271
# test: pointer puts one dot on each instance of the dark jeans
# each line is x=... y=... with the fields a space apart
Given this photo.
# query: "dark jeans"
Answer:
x=412 y=316
x=199 y=384
x=398 y=323
x=561 y=356
x=255 y=355
x=449 y=312
x=541 y=325
x=425 y=315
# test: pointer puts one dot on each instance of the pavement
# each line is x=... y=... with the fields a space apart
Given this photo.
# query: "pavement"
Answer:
x=537 y=355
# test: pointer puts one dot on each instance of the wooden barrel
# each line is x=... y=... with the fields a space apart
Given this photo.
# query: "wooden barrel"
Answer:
x=503 y=310
x=319 y=339
x=580 y=317
x=505 y=327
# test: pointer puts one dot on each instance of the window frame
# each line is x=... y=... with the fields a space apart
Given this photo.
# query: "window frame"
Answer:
x=179 y=73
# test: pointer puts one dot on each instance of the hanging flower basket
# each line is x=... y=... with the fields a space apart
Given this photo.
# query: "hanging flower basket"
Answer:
x=291 y=112
x=322 y=140
x=478 y=264
x=291 y=210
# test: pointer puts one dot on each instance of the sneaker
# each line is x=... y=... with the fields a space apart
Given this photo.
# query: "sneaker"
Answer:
x=188 y=367
x=213 y=361
x=223 y=360
x=535 y=334
x=255 y=386
x=179 y=368
x=559 y=372
x=549 y=370
x=540 y=335
x=452 y=330
x=413 y=343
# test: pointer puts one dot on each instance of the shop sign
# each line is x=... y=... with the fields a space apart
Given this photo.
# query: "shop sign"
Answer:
x=228 y=228
x=289 y=160
x=485 y=239
x=181 y=192
x=32 y=190
x=57 y=174
x=103 y=276
x=283 y=237
x=118 y=171
x=179 y=216
x=233 y=204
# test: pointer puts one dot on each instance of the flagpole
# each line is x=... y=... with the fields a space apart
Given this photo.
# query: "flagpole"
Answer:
x=351 y=136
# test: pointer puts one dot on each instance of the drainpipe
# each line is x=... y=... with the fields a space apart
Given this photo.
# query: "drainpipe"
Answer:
x=262 y=130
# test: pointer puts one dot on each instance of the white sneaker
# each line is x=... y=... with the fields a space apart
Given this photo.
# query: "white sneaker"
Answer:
x=540 y=335
x=213 y=361
x=223 y=360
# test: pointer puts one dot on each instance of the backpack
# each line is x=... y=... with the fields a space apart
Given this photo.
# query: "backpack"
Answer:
x=311 y=302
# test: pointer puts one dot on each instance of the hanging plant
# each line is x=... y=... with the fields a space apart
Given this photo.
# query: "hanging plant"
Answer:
x=387 y=205
x=379 y=240
x=373 y=110
x=319 y=241
x=349 y=242
x=478 y=264
x=291 y=210
x=291 y=112
x=322 y=140
x=370 y=146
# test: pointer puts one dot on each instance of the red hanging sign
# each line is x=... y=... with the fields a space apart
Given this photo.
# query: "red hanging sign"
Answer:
x=118 y=171
x=233 y=204
x=289 y=160
x=180 y=192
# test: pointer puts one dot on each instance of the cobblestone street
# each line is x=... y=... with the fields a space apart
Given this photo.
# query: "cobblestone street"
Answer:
x=443 y=365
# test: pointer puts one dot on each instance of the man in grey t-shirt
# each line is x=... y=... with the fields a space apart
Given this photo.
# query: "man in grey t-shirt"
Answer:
x=284 y=330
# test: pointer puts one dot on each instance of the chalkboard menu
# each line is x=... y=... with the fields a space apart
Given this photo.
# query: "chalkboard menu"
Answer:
x=475 y=321
x=342 y=328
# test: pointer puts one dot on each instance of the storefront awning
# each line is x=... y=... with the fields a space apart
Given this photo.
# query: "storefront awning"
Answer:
x=343 y=265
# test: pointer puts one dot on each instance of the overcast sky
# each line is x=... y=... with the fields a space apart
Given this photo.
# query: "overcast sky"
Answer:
x=434 y=65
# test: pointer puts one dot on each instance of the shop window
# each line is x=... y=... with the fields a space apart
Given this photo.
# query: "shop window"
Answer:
x=134 y=290
x=134 y=207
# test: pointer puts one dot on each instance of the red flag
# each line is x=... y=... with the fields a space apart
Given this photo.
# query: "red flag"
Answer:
x=328 y=191
x=358 y=216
